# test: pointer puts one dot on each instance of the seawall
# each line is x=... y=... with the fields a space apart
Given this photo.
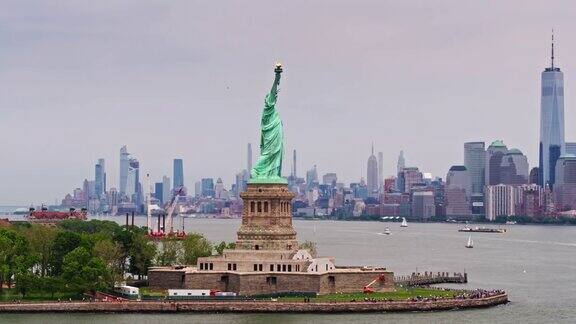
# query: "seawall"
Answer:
x=252 y=306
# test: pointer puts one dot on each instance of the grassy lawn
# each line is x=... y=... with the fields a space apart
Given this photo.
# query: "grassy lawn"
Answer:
x=9 y=295
x=399 y=294
x=145 y=291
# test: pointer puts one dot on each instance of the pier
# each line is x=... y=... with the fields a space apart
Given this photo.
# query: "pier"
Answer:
x=430 y=278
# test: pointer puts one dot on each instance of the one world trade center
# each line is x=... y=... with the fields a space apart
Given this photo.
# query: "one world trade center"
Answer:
x=551 y=121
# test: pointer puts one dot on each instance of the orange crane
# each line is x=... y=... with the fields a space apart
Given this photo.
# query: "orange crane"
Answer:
x=367 y=289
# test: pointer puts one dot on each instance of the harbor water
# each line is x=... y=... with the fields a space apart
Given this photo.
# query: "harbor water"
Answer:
x=536 y=265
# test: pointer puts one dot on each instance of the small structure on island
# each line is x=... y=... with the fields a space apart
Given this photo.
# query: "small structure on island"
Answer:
x=266 y=258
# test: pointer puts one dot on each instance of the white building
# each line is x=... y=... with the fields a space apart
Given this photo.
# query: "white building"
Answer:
x=499 y=201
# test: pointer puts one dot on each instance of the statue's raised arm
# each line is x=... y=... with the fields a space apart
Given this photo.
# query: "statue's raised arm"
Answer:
x=268 y=169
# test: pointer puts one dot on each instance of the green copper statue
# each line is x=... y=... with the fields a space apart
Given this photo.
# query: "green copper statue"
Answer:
x=268 y=169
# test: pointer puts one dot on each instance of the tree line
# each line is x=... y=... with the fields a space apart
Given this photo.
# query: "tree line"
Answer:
x=85 y=256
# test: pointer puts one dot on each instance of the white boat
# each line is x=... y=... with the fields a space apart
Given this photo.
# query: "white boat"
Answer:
x=387 y=231
x=470 y=243
x=404 y=222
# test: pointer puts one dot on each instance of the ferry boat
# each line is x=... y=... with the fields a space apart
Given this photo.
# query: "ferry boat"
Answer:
x=482 y=230
x=46 y=216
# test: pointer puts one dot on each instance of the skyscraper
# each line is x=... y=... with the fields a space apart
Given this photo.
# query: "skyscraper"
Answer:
x=475 y=162
x=551 y=121
x=294 y=174
x=159 y=192
x=249 y=157
x=494 y=155
x=124 y=157
x=457 y=193
x=100 y=178
x=166 y=189
x=133 y=186
x=178 y=176
x=400 y=165
x=372 y=175
x=380 y=170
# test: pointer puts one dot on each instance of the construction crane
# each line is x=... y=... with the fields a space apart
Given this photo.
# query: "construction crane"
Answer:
x=171 y=206
x=367 y=289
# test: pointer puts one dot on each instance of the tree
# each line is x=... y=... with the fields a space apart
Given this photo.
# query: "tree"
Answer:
x=26 y=282
x=224 y=246
x=195 y=246
x=112 y=256
x=310 y=246
x=141 y=255
x=41 y=239
x=170 y=253
x=64 y=243
x=15 y=257
x=82 y=271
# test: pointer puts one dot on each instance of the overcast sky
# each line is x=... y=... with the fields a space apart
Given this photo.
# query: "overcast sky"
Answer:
x=79 y=79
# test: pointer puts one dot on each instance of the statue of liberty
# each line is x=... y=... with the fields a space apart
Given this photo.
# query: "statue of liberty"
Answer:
x=268 y=169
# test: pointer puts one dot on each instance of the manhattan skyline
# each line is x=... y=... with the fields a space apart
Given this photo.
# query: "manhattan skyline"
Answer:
x=70 y=96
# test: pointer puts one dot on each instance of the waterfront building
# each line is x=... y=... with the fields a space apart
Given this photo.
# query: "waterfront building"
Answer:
x=551 y=121
x=529 y=200
x=330 y=179
x=514 y=168
x=494 y=155
x=124 y=165
x=499 y=201
x=178 y=176
x=475 y=162
x=372 y=175
x=100 y=178
x=198 y=189
x=389 y=184
x=457 y=193
x=565 y=187
x=423 y=207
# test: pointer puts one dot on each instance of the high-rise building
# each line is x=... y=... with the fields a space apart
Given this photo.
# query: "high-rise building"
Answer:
x=499 y=201
x=494 y=155
x=565 y=186
x=534 y=174
x=551 y=121
x=529 y=200
x=208 y=187
x=457 y=193
x=100 y=178
x=423 y=206
x=166 y=190
x=218 y=188
x=408 y=178
x=330 y=179
x=249 y=157
x=372 y=175
x=475 y=162
x=133 y=186
x=311 y=178
x=400 y=165
x=159 y=192
x=124 y=164
x=514 y=168
x=178 y=176
x=294 y=174
x=380 y=170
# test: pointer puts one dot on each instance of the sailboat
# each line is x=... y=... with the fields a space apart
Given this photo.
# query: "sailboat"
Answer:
x=404 y=222
x=470 y=244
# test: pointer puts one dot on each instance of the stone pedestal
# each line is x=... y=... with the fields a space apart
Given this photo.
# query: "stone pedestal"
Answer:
x=267 y=218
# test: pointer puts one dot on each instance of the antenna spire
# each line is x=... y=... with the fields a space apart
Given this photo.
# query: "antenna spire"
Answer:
x=372 y=147
x=552 y=57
